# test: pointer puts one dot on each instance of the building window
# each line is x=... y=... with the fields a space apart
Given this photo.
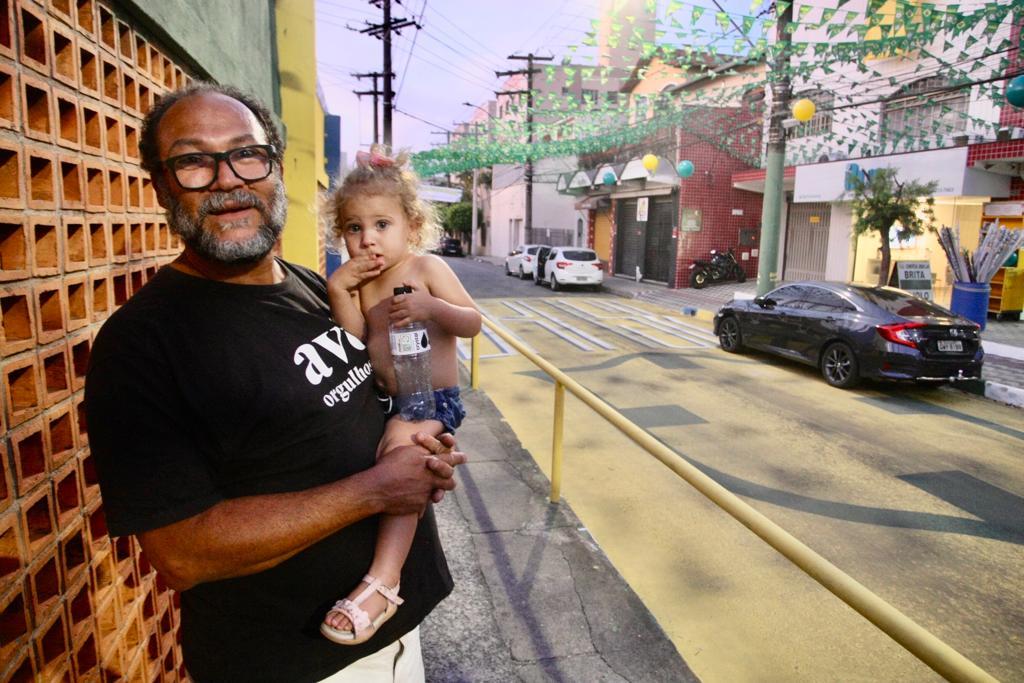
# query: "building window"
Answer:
x=919 y=111
x=589 y=96
x=821 y=122
x=641 y=107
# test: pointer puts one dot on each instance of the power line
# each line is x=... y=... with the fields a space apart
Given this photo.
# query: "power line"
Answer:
x=487 y=48
x=429 y=123
x=408 y=59
x=472 y=81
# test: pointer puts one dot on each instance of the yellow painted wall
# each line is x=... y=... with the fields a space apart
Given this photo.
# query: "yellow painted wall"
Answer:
x=303 y=119
x=603 y=235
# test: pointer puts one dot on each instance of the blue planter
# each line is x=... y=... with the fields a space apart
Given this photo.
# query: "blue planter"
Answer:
x=970 y=300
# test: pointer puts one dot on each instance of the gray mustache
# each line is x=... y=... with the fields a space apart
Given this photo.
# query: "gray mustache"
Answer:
x=239 y=199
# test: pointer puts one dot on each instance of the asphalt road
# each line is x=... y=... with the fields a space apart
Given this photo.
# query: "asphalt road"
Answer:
x=918 y=494
x=485 y=281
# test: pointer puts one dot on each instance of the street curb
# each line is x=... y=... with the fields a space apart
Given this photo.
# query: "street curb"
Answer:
x=994 y=391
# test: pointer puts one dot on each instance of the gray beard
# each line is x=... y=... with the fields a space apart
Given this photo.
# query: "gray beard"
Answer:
x=205 y=243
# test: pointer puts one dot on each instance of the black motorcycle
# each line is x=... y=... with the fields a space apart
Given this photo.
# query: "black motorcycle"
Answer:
x=721 y=266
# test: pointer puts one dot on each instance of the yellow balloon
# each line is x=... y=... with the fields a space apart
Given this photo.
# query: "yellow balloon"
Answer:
x=650 y=162
x=803 y=110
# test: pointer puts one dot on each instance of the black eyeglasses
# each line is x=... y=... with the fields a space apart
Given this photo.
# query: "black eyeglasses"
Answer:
x=198 y=170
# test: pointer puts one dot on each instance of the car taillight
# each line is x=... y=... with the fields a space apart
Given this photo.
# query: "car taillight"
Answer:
x=527 y=258
x=908 y=334
x=561 y=264
x=596 y=265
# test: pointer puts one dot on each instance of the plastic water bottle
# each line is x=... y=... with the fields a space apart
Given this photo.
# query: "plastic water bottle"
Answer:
x=410 y=353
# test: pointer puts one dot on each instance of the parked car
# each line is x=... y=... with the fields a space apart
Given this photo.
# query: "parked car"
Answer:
x=563 y=266
x=852 y=332
x=450 y=246
x=522 y=260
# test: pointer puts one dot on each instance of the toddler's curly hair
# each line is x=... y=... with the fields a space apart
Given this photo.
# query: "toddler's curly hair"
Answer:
x=376 y=174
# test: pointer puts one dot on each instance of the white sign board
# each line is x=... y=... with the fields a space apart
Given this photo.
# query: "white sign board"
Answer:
x=829 y=182
x=914 y=277
x=1003 y=209
x=641 y=209
x=436 y=193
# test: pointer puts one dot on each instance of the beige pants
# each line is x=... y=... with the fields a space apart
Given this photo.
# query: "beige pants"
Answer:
x=399 y=662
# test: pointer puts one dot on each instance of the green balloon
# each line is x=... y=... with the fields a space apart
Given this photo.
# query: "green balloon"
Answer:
x=1015 y=92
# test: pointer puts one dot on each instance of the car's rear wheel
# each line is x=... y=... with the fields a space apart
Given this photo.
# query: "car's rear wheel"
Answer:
x=729 y=336
x=554 y=284
x=508 y=271
x=839 y=366
x=522 y=275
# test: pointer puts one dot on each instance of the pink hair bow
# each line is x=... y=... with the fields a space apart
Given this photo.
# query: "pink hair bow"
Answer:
x=374 y=159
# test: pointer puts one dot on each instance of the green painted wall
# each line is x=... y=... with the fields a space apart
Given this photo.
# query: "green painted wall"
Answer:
x=230 y=41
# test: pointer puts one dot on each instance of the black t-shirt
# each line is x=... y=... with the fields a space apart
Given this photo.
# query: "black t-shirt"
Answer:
x=200 y=391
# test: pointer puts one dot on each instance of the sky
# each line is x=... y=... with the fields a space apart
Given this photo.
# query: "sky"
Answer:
x=453 y=58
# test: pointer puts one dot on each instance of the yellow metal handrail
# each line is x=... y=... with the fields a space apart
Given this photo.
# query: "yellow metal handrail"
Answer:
x=942 y=658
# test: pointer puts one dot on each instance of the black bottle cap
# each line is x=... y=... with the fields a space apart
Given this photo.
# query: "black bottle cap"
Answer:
x=404 y=289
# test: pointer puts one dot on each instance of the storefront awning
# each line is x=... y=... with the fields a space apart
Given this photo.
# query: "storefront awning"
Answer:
x=753 y=180
x=593 y=202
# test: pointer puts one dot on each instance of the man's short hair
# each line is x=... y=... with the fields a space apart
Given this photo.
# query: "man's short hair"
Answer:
x=150 y=125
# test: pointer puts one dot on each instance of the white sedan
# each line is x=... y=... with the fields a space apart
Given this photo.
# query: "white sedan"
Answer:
x=563 y=266
x=522 y=260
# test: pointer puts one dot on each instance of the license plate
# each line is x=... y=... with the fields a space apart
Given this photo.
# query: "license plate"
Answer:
x=580 y=279
x=950 y=346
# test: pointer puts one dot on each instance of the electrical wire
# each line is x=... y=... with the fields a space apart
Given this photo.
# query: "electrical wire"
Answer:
x=429 y=123
x=419 y=24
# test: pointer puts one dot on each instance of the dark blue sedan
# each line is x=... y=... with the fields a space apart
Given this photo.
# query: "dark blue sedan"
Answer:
x=852 y=332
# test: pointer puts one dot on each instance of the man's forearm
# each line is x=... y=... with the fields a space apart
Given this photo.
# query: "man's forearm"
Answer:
x=246 y=535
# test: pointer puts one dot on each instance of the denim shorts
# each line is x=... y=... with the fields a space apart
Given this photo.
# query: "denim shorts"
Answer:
x=448 y=408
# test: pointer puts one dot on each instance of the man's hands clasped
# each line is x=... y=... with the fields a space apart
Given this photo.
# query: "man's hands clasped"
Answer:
x=410 y=477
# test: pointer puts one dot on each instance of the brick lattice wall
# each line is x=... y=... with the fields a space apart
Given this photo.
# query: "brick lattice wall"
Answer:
x=80 y=231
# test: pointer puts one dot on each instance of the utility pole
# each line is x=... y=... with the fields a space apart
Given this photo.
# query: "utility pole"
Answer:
x=375 y=92
x=383 y=31
x=474 y=226
x=528 y=170
x=775 y=161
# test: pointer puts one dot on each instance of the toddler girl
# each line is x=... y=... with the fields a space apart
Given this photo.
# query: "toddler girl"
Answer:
x=386 y=229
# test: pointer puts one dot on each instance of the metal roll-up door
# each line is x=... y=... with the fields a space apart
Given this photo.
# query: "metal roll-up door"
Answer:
x=807 y=241
x=658 y=251
x=629 y=238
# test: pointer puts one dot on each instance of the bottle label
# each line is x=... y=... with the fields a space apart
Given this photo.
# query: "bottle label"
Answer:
x=409 y=343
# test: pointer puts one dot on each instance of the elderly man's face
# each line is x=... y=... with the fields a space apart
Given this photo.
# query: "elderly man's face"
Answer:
x=232 y=220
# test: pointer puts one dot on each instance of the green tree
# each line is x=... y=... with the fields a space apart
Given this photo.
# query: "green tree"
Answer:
x=880 y=202
x=458 y=218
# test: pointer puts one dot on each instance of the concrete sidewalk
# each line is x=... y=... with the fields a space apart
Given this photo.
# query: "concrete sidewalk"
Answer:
x=535 y=599
x=1003 y=341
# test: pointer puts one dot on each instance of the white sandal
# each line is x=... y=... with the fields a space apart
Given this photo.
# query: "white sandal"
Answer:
x=363 y=628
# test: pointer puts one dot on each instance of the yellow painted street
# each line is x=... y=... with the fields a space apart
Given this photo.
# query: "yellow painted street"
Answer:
x=915 y=492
